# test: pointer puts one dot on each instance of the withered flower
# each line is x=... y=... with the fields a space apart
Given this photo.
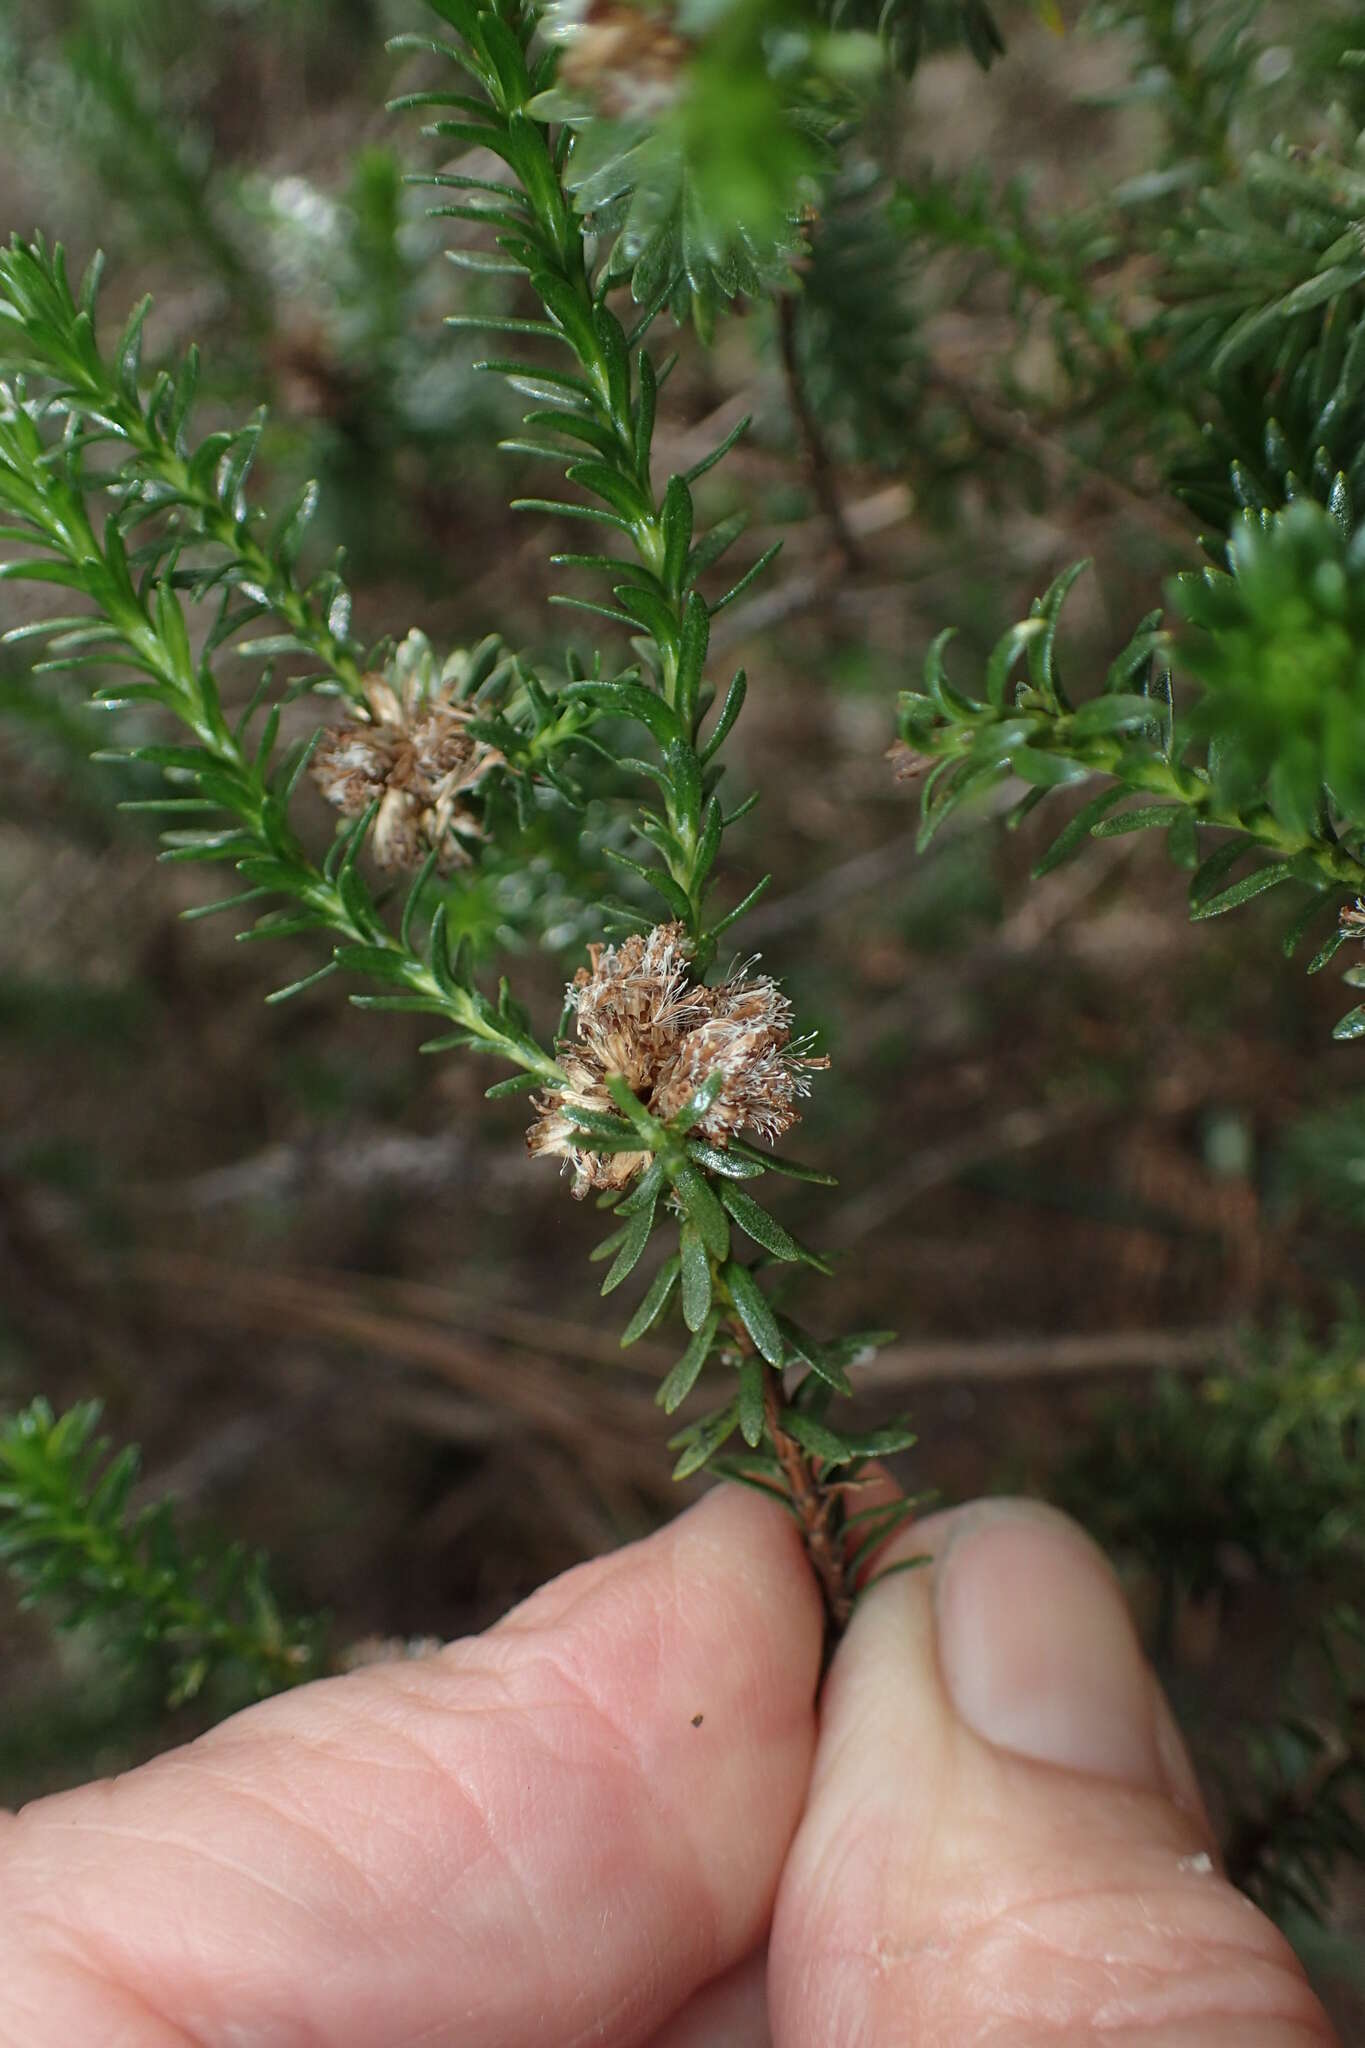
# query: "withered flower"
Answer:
x=907 y=762
x=415 y=754
x=1353 y=919
x=623 y=55
x=638 y=1014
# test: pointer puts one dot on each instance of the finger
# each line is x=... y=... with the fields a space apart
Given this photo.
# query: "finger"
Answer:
x=1004 y=1840
x=554 y=1833
x=730 y=2013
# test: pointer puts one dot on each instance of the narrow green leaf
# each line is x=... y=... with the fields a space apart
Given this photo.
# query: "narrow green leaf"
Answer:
x=751 y=1415
x=754 y=1309
x=1046 y=771
x=647 y=1188
x=750 y=575
x=633 y=1110
x=713 y=825
x=649 y=611
x=1077 y=831
x=720 y=451
x=607 y=1247
x=1300 y=923
x=1182 y=842
x=631 y=700
x=704 y=1439
x=1003 y=659
x=697 y=1104
x=1110 y=714
x=741 y=909
x=676 y=521
x=644 y=412
x=891 y=1571
x=128 y=353
x=699 y=1205
x=1149 y=818
x=381 y=963
x=1329 y=949
x=822 y=1359
x=715 y=544
x=675 y=1389
x=659 y=880
x=822 y=1442
x=1241 y=891
x=729 y=712
x=696 y=635
x=609 y=1131
x=883 y=1442
x=621 y=492
x=765 y=1230
x=636 y=1238
x=560 y=508
x=294 y=988
x=773 y=1162
x=654 y=1303
x=696 y=1277
x=1205 y=882
x=713 y=1160
x=517 y=1084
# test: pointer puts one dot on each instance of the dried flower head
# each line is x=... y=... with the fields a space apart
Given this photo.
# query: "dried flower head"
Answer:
x=1353 y=919
x=415 y=754
x=907 y=762
x=625 y=56
x=640 y=1015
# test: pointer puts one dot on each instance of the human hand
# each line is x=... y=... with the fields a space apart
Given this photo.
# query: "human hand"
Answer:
x=1004 y=1841
x=574 y=1830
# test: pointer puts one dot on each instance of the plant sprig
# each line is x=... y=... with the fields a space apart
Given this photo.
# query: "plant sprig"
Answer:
x=1184 y=776
x=596 y=421
x=139 y=624
x=183 y=530
x=195 y=492
x=71 y=1539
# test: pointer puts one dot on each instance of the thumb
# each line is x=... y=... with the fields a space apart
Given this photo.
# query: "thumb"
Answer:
x=1004 y=1841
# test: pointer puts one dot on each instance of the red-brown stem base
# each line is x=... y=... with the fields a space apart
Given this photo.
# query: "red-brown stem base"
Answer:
x=819 y=1514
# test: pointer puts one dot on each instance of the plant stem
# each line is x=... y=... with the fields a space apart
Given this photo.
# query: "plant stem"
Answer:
x=1194 y=788
x=818 y=1509
x=818 y=459
x=233 y=779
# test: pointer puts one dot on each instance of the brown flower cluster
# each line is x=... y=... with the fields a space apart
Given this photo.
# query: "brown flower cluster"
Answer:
x=416 y=755
x=906 y=762
x=638 y=1014
x=624 y=55
x=1353 y=919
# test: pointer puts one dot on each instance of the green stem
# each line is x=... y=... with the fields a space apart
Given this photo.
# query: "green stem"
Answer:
x=614 y=411
x=1177 y=782
x=819 y=1509
x=240 y=787
x=281 y=593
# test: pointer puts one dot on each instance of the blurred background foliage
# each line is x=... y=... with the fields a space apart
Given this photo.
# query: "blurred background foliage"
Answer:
x=1086 y=1151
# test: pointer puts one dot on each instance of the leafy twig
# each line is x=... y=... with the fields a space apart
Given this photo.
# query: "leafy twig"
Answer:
x=69 y=1537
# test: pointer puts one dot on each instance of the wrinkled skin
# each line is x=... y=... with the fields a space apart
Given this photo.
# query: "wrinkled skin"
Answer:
x=532 y=1838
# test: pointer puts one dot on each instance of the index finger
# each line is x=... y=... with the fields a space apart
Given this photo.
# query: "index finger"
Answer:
x=552 y=1833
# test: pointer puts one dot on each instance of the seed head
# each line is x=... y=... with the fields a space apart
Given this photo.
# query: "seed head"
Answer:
x=411 y=749
x=907 y=762
x=639 y=1015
